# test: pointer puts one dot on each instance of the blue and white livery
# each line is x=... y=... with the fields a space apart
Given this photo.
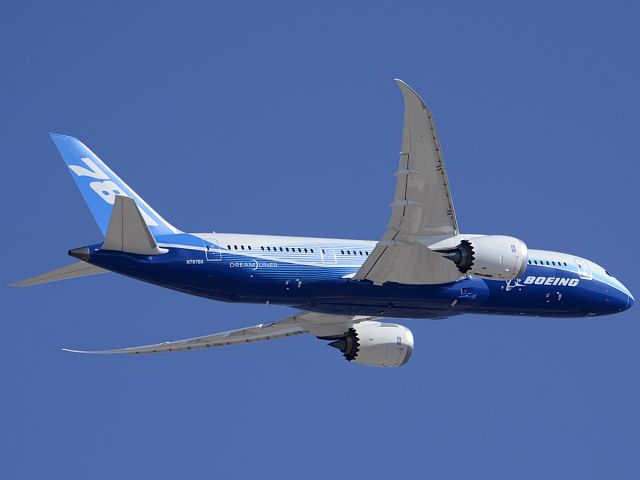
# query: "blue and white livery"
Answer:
x=422 y=267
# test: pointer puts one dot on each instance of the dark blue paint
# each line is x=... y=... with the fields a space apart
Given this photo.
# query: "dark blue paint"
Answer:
x=323 y=289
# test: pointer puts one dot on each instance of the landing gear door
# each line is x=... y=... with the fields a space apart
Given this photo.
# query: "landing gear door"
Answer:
x=583 y=268
x=212 y=250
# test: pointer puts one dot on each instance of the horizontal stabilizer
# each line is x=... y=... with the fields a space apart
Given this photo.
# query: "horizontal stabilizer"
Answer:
x=80 y=269
x=127 y=231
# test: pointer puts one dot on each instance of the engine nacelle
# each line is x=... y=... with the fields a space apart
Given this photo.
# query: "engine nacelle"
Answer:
x=492 y=256
x=376 y=344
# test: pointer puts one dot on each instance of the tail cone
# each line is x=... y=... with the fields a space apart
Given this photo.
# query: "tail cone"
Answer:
x=80 y=253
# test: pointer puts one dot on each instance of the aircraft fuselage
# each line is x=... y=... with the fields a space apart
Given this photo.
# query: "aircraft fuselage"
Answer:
x=315 y=274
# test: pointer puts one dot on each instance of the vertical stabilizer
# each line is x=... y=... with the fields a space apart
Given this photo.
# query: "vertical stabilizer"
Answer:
x=99 y=186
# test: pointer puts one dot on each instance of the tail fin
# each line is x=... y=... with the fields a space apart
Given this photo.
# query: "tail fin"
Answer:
x=99 y=186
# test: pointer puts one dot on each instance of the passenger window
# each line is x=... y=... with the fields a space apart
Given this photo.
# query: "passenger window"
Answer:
x=235 y=247
x=228 y=247
x=281 y=249
x=342 y=251
x=312 y=250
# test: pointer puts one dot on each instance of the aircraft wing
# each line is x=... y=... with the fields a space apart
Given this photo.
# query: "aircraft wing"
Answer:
x=307 y=322
x=422 y=207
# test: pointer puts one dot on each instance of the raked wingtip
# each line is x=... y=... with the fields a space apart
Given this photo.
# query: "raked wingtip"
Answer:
x=77 y=351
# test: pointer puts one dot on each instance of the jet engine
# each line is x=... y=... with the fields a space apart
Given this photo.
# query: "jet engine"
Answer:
x=376 y=344
x=492 y=256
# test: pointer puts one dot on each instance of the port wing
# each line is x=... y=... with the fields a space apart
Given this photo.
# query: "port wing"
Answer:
x=422 y=207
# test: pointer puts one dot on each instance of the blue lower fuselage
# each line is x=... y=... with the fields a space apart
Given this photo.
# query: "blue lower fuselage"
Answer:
x=315 y=276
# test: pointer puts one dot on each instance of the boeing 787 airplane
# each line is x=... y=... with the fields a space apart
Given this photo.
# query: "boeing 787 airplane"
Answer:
x=422 y=267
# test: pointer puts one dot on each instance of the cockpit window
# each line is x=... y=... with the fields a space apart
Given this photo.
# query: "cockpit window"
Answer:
x=609 y=274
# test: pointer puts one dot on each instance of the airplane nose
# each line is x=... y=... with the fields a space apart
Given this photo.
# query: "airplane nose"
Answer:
x=614 y=302
x=621 y=302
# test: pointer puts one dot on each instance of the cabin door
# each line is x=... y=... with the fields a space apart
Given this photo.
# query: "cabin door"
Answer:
x=212 y=250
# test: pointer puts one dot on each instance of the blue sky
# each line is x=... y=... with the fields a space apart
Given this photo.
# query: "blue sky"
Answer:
x=282 y=118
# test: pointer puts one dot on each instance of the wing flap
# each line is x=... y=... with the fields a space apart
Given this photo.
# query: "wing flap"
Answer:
x=410 y=263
